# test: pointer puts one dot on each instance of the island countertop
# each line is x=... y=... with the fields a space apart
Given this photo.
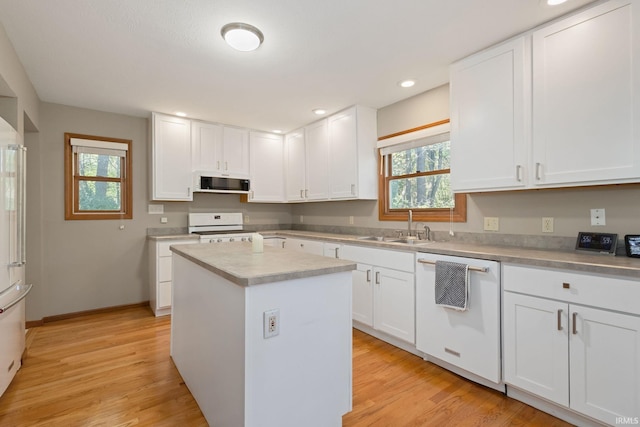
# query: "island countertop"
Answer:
x=237 y=262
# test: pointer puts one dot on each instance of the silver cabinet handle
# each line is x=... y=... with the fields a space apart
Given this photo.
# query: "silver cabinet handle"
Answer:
x=353 y=189
x=368 y=276
x=218 y=164
x=377 y=277
x=337 y=252
x=306 y=194
x=302 y=194
x=538 y=166
x=283 y=244
x=519 y=173
x=226 y=166
x=575 y=327
x=560 y=319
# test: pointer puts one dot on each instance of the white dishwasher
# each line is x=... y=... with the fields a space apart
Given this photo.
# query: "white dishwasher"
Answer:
x=465 y=342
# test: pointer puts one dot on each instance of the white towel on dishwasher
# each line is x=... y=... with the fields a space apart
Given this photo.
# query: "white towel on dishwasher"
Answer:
x=452 y=285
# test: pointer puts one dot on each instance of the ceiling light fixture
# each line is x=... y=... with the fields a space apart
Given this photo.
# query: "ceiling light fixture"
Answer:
x=555 y=2
x=277 y=131
x=181 y=114
x=407 y=83
x=319 y=111
x=242 y=37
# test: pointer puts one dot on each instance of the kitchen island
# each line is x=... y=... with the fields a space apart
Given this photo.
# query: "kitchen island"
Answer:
x=227 y=300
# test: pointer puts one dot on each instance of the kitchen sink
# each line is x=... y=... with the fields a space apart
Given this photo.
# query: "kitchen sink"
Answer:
x=372 y=238
x=409 y=241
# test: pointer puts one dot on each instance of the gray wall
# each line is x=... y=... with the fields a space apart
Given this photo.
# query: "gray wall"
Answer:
x=519 y=212
x=84 y=265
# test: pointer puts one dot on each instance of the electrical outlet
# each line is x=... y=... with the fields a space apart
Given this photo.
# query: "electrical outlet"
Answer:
x=351 y=220
x=597 y=217
x=246 y=219
x=271 y=323
x=547 y=225
x=491 y=223
x=164 y=220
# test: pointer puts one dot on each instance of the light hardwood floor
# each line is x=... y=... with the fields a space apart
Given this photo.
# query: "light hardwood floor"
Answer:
x=113 y=369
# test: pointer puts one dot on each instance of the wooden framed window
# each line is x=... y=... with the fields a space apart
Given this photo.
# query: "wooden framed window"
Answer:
x=414 y=174
x=98 y=182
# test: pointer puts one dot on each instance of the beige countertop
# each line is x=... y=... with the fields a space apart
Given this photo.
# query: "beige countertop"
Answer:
x=236 y=262
x=572 y=260
x=548 y=258
x=169 y=237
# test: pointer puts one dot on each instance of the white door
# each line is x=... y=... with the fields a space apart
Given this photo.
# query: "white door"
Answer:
x=585 y=97
x=317 y=161
x=363 y=294
x=489 y=118
x=605 y=364
x=394 y=303
x=171 y=158
x=235 y=143
x=295 y=166
x=536 y=347
x=267 y=167
x=343 y=151
x=206 y=147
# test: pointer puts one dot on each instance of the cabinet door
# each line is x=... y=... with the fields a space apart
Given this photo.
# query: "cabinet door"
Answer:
x=343 y=151
x=317 y=161
x=489 y=118
x=394 y=303
x=585 y=97
x=605 y=364
x=171 y=158
x=267 y=167
x=536 y=347
x=295 y=166
x=235 y=144
x=362 y=288
x=206 y=146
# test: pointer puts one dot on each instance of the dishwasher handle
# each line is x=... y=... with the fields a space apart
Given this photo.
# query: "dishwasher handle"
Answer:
x=24 y=291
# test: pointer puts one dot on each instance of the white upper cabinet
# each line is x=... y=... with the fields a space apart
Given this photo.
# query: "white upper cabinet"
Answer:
x=586 y=104
x=220 y=150
x=334 y=158
x=578 y=126
x=267 y=167
x=489 y=95
x=206 y=146
x=317 y=161
x=235 y=151
x=352 y=154
x=295 y=166
x=171 y=158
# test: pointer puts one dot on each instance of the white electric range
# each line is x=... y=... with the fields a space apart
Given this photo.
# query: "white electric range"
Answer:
x=218 y=227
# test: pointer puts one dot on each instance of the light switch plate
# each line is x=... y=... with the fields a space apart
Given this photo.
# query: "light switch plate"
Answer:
x=491 y=223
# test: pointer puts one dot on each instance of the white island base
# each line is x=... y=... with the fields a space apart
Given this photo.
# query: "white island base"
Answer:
x=301 y=377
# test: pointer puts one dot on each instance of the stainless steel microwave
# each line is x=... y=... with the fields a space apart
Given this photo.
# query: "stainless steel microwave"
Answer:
x=222 y=185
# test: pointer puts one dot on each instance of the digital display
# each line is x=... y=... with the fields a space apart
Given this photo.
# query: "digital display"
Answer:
x=597 y=242
x=632 y=244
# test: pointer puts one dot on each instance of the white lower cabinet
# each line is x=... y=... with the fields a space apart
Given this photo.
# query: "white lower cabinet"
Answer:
x=160 y=275
x=383 y=297
x=560 y=347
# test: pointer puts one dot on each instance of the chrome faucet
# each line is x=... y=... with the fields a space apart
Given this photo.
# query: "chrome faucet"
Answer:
x=410 y=223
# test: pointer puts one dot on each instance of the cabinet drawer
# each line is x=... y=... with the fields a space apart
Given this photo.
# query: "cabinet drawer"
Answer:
x=164 y=247
x=610 y=292
x=403 y=261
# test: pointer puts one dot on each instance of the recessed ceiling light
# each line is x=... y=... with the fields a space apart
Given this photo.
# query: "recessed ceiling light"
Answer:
x=407 y=83
x=319 y=111
x=555 y=2
x=242 y=37
x=181 y=114
x=277 y=131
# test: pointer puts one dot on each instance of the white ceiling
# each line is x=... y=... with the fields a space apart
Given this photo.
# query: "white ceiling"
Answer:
x=137 y=56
